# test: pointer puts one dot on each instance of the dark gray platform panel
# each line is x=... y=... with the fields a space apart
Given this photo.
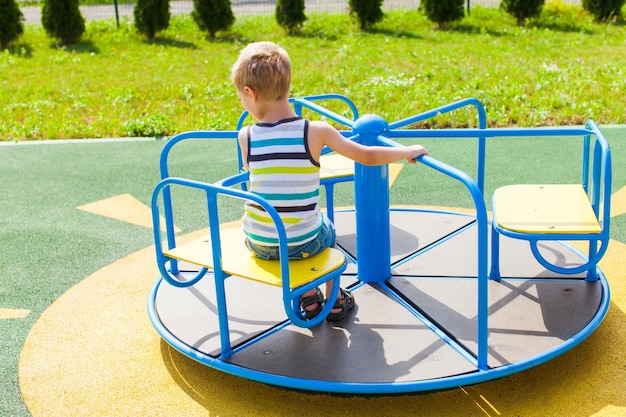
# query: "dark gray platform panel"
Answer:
x=526 y=318
x=191 y=313
x=409 y=231
x=380 y=342
x=369 y=346
x=458 y=257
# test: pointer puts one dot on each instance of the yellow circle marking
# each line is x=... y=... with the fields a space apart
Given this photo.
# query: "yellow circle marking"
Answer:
x=93 y=352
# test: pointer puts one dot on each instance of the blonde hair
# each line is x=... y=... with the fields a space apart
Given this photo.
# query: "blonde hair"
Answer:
x=266 y=68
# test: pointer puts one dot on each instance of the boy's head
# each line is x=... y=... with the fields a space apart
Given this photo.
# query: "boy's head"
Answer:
x=266 y=68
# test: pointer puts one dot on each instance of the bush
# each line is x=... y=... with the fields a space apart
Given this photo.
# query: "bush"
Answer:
x=213 y=15
x=152 y=126
x=603 y=10
x=367 y=12
x=11 y=22
x=561 y=16
x=290 y=15
x=151 y=16
x=443 y=11
x=62 y=20
x=522 y=9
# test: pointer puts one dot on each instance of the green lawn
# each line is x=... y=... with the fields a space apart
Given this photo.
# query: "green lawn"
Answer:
x=560 y=69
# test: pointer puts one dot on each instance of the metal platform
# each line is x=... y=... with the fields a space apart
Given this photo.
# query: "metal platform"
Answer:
x=428 y=316
x=416 y=331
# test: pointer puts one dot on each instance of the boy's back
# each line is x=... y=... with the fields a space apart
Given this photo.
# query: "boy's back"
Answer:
x=283 y=171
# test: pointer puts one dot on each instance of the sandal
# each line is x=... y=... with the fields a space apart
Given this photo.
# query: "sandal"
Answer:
x=315 y=299
x=345 y=303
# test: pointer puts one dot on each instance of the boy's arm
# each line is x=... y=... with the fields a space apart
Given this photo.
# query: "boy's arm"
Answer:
x=322 y=134
x=242 y=138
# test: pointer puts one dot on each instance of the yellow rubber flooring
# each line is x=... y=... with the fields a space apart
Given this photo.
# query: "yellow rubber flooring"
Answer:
x=94 y=352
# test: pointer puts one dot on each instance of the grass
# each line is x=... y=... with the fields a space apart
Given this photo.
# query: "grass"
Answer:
x=560 y=69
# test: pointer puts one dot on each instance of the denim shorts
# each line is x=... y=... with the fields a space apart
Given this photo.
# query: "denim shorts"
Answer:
x=325 y=239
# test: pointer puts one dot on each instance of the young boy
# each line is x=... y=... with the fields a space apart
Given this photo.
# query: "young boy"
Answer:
x=282 y=153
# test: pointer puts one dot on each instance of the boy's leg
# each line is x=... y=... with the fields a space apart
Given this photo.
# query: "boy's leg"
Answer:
x=345 y=300
x=343 y=304
x=329 y=286
x=312 y=302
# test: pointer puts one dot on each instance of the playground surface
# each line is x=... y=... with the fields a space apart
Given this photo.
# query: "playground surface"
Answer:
x=78 y=264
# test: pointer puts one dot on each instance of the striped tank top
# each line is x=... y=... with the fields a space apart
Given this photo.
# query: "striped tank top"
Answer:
x=283 y=172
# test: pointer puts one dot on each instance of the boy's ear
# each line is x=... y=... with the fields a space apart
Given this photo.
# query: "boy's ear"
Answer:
x=249 y=91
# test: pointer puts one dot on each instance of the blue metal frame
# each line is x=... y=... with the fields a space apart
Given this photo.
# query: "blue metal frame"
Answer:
x=291 y=296
x=449 y=382
x=372 y=212
x=165 y=173
x=600 y=199
x=482 y=124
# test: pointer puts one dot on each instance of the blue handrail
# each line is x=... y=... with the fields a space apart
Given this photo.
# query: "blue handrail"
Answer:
x=482 y=124
x=290 y=296
x=164 y=170
x=597 y=184
x=482 y=243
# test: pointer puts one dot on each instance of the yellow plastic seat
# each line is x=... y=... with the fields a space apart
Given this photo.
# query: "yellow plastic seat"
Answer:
x=567 y=212
x=335 y=166
x=545 y=208
x=225 y=254
x=239 y=261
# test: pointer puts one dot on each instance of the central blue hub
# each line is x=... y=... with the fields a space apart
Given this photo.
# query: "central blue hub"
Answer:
x=370 y=126
x=371 y=197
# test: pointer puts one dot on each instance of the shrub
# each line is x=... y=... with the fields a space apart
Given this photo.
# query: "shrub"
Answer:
x=62 y=20
x=155 y=125
x=213 y=15
x=151 y=16
x=367 y=12
x=561 y=16
x=11 y=22
x=522 y=9
x=290 y=15
x=443 y=11
x=603 y=10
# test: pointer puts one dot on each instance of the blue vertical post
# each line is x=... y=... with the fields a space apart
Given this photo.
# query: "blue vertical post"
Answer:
x=371 y=189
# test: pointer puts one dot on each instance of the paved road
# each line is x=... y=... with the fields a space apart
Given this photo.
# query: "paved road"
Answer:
x=32 y=15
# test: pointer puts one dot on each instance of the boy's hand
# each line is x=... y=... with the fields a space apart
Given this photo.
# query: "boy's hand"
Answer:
x=415 y=151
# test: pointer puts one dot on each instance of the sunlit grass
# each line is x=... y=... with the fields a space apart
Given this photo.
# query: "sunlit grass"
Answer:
x=560 y=69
